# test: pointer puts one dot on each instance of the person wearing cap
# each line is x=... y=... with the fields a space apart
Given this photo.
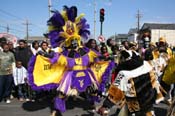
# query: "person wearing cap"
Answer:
x=163 y=46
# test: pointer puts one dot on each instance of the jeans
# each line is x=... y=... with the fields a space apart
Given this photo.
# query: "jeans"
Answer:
x=5 y=86
x=22 y=91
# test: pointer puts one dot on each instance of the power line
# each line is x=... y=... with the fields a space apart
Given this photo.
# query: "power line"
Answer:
x=8 y=28
x=9 y=14
x=14 y=23
x=19 y=19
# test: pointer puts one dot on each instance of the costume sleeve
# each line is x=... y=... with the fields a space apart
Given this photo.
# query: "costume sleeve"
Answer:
x=43 y=74
x=62 y=61
x=93 y=55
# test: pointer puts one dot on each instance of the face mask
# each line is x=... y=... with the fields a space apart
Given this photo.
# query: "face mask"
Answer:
x=74 y=44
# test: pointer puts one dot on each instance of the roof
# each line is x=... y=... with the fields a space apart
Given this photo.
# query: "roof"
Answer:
x=132 y=31
x=158 y=26
x=35 y=38
x=122 y=36
x=119 y=36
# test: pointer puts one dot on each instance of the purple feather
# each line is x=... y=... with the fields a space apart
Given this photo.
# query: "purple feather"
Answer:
x=71 y=12
x=56 y=20
x=84 y=33
x=55 y=40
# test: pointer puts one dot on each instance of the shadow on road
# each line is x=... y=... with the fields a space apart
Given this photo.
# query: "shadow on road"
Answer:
x=71 y=103
x=37 y=105
x=33 y=106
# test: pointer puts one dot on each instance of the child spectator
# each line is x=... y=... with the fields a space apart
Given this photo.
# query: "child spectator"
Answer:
x=20 y=80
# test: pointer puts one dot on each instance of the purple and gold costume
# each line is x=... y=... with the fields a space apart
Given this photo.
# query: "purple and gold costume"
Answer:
x=71 y=70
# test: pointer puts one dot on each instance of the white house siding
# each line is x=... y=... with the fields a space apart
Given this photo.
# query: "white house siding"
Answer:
x=133 y=37
x=168 y=34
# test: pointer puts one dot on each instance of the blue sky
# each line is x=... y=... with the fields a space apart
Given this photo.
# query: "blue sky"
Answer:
x=120 y=15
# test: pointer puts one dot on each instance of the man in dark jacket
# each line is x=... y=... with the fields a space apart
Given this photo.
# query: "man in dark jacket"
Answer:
x=23 y=53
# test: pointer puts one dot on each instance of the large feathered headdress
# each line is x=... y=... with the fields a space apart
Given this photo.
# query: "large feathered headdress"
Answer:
x=66 y=26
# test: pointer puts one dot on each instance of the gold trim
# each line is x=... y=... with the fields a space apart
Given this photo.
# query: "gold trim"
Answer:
x=78 y=67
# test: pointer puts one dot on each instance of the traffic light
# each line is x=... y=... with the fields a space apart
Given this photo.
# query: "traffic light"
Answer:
x=102 y=13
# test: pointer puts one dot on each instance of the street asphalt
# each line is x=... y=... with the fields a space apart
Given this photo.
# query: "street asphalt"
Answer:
x=78 y=107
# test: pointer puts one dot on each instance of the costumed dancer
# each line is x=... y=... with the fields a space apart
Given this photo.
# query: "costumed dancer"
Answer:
x=156 y=65
x=165 y=61
x=73 y=68
x=133 y=90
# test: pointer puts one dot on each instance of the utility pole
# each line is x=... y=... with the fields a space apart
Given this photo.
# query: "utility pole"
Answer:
x=8 y=28
x=49 y=7
x=138 y=16
x=94 y=18
x=27 y=29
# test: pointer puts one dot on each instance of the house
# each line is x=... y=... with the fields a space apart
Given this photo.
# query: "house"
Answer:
x=132 y=35
x=119 y=38
x=157 y=30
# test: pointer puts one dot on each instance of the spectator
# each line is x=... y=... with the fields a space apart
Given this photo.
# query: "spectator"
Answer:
x=92 y=44
x=35 y=47
x=110 y=42
x=125 y=44
x=20 y=80
x=2 y=41
x=45 y=51
x=14 y=89
x=6 y=79
x=23 y=53
x=11 y=47
x=104 y=53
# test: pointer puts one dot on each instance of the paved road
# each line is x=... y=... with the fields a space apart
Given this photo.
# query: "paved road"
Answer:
x=79 y=107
